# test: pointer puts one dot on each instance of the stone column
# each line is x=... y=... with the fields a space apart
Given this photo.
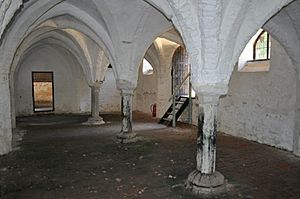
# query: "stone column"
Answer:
x=205 y=179
x=95 y=109
x=5 y=115
x=126 y=134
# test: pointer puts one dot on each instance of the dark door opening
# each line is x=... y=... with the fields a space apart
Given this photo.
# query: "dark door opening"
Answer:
x=180 y=71
x=43 y=91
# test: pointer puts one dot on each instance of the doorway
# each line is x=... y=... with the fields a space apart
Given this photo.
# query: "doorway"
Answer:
x=180 y=67
x=43 y=91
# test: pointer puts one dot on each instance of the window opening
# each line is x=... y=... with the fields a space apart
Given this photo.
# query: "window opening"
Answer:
x=43 y=91
x=262 y=45
x=147 y=67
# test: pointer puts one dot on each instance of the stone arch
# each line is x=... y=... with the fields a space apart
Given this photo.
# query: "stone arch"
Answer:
x=57 y=37
x=162 y=6
x=143 y=44
x=282 y=29
x=152 y=56
x=248 y=28
x=153 y=48
x=228 y=24
x=50 y=37
x=26 y=24
x=69 y=19
x=40 y=16
x=67 y=75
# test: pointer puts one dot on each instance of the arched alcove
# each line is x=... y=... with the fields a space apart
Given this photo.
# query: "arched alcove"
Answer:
x=71 y=91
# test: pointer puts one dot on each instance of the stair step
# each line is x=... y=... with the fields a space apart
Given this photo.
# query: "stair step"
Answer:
x=184 y=96
x=167 y=119
x=180 y=105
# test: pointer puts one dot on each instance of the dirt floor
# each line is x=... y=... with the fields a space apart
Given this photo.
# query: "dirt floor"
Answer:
x=60 y=158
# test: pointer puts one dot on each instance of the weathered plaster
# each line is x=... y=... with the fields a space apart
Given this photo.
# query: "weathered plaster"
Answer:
x=70 y=86
x=126 y=134
x=146 y=92
x=156 y=88
x=261 y=106
x=110 y=94
x=205 y=179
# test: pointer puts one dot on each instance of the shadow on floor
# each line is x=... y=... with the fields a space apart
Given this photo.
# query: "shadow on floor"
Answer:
x=60 y=158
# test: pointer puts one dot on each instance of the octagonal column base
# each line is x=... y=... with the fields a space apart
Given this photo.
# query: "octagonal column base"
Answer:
x=206 y=184
x=126 y=137
x=94 y=121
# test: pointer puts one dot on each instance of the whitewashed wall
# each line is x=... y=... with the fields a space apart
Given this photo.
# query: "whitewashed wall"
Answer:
x=261 y=106
x=71 y=92
x=110 y=98
x=146 y=92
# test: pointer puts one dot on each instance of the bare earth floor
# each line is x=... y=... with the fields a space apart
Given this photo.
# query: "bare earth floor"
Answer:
x=60 y=158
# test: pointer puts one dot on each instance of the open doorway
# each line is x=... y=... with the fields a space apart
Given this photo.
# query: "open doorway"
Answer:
x=43 y=91
x=181 y=73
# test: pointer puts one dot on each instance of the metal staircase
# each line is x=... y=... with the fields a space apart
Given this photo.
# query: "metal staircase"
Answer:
x=181 y=102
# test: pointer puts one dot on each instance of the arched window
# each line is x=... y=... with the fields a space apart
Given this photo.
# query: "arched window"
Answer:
x=262 y=46
x=147 y=67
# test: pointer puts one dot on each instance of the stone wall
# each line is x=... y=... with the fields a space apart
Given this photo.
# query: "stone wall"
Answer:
x=110 y=97
x=146 y=92
x=71 y=91
x=261 y=106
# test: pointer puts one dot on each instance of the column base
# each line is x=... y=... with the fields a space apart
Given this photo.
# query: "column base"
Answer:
x=296 y=153
x=126 y=137
x=205 y=184
x=94 y=121
x=17 y=137
x=5 y=146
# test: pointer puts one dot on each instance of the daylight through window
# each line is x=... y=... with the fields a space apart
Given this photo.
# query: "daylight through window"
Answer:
x=262 y=47
x=147 y=68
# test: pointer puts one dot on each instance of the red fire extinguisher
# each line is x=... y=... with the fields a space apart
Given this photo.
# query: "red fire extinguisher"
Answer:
x=153 y=110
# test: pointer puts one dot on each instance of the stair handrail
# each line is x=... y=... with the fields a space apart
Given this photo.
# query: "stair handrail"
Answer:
x=179 y=86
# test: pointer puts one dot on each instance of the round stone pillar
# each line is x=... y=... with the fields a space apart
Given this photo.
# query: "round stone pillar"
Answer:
x=126 y=134
x=205 y=179
x=95 y=119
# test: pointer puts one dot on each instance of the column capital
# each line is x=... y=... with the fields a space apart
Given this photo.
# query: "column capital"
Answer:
x=126 y=87
x=210 y=94
x=127 y=92
x=96 y=84
x=208 y=99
